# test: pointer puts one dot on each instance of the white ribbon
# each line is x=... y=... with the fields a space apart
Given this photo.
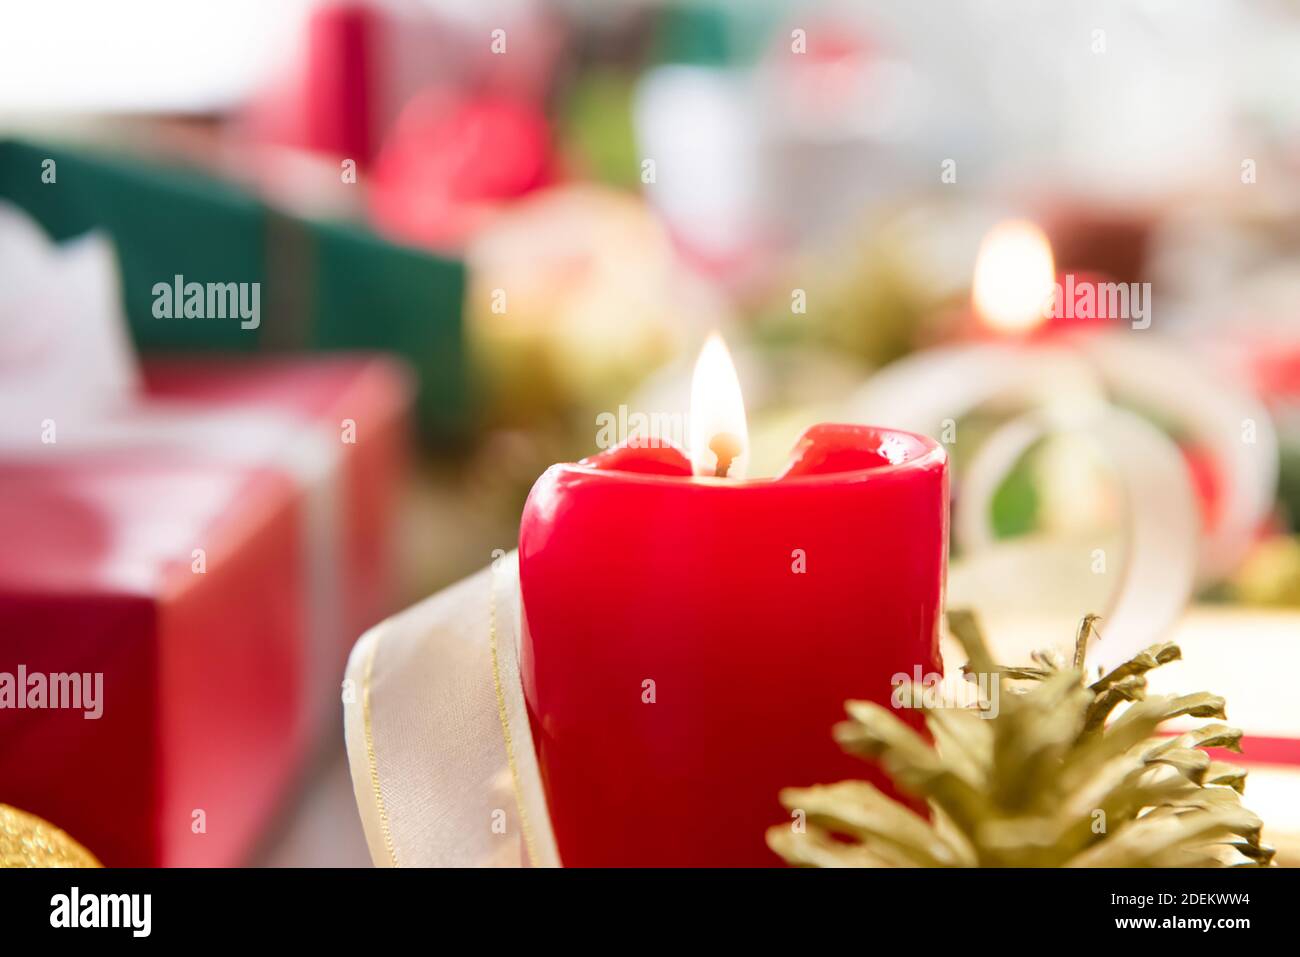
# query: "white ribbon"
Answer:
x=1065 y=385
x=1161 y=522
x=1223 y=418
x=437 y=732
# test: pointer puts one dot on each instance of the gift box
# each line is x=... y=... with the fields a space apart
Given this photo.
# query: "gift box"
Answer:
x=325 y=286
x=358 y=408
x=201 y=724
x=208 y=553
x=190 y=545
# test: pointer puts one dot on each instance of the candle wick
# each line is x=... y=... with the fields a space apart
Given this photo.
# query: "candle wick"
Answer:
x=726 y=447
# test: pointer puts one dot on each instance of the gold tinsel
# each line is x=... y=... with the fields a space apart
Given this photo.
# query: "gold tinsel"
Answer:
x=28 y=841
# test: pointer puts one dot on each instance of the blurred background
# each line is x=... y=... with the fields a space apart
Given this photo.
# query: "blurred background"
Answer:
x=478 y=227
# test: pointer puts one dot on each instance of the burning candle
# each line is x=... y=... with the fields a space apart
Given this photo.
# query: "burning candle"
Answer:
x=1059 y=351
x=1014 y=278
x=1017 y=293
x=690 y=636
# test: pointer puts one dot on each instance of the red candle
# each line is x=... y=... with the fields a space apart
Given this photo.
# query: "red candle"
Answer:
x=688 y=641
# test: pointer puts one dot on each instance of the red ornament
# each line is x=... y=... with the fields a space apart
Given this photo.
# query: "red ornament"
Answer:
x=452 y=160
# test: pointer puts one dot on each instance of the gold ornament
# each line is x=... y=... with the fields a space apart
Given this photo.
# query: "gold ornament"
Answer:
x=1045 y=781
x=1270 y=574
x=28 y=841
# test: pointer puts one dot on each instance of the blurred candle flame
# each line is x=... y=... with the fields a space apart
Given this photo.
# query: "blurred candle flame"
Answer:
x=719 y=432
x=1015 y=277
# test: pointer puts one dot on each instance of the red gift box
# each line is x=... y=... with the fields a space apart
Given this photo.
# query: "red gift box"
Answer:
x=215 y=672
x=375 y=396
x=201 y=681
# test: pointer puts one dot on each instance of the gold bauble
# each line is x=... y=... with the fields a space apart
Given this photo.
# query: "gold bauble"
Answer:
x=28 y=841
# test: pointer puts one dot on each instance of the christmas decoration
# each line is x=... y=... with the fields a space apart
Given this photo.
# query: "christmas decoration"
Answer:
x=1270 y=575
x=1035 y=776
x=28 y=841
x=189 y=543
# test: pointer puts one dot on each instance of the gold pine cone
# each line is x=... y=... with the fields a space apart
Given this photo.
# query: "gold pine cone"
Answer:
x=1044 y=780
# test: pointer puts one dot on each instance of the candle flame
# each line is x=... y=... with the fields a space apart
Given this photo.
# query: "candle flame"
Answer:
x=1014 y=277
x=719 y=432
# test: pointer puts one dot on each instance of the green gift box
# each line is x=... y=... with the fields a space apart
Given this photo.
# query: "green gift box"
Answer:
x=324 y=286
